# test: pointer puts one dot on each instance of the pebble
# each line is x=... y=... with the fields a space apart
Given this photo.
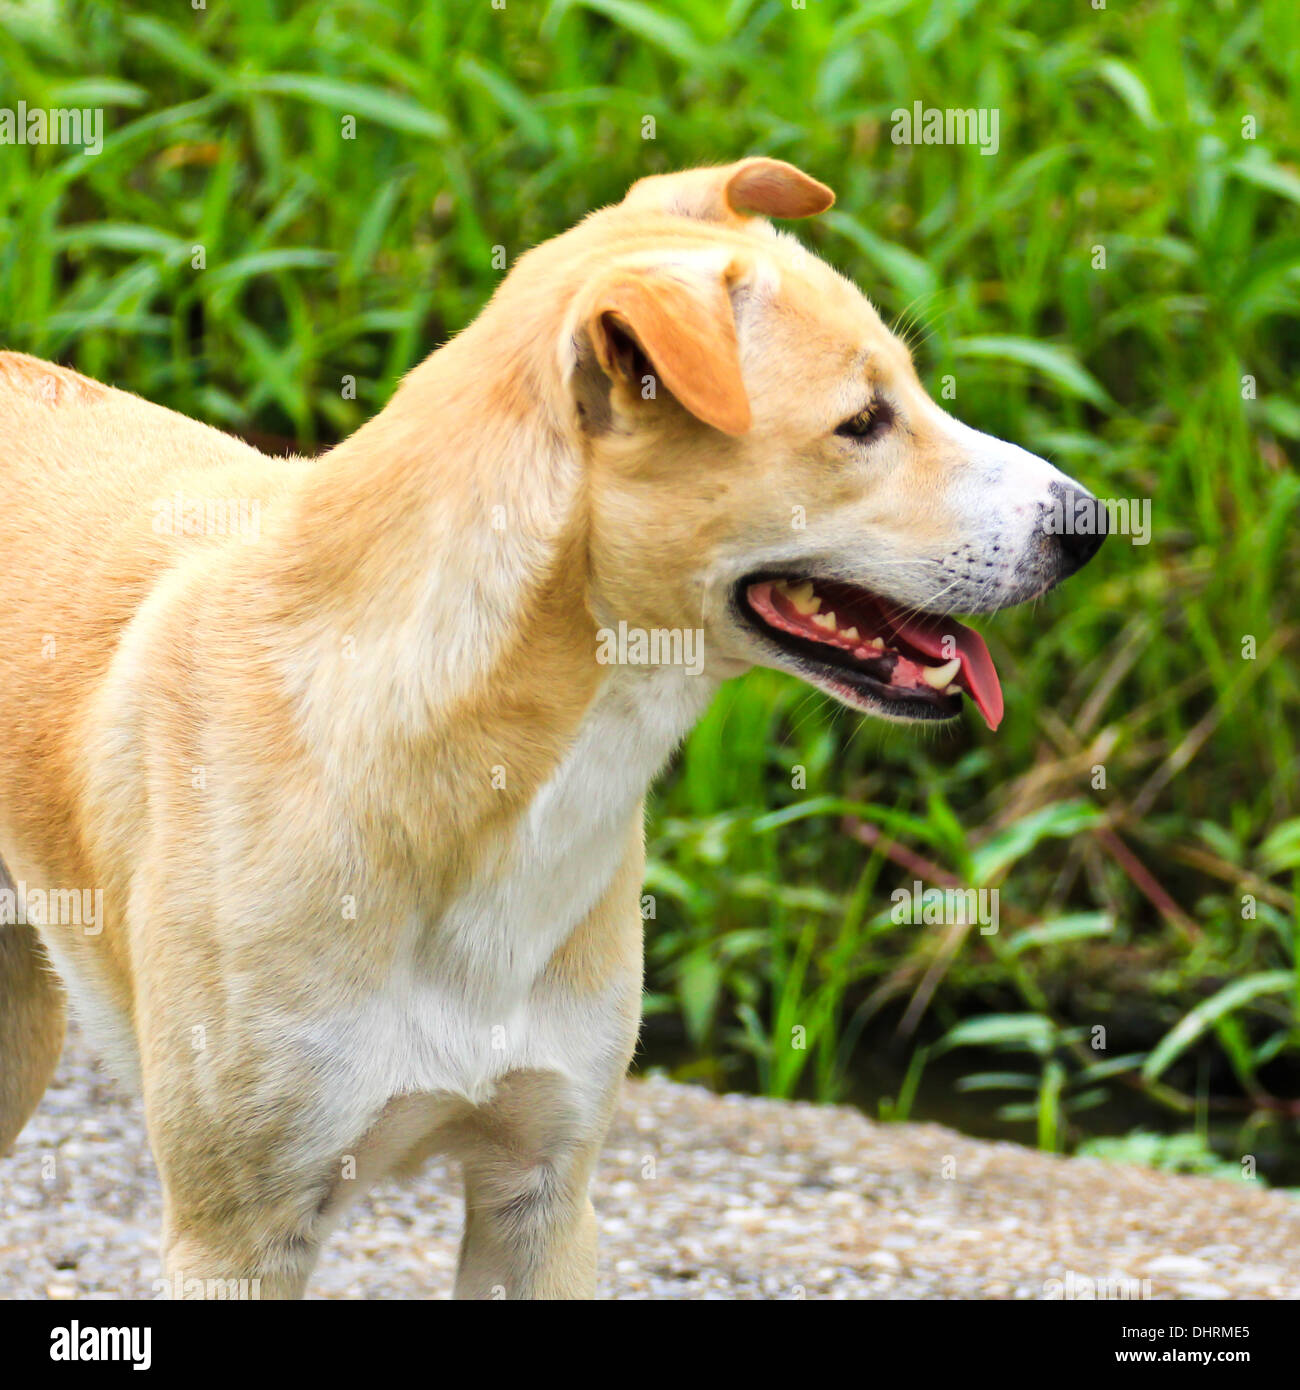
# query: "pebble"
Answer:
x=749 y=1199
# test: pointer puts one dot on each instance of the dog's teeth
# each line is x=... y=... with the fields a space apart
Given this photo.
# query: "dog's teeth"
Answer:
x=939 y=677
x=878 y=643
x=803 y=598
x=953 y=690
x=826 y=620
x=850 y=632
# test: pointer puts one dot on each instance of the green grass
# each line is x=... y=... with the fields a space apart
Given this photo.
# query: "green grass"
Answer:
x=772 y=951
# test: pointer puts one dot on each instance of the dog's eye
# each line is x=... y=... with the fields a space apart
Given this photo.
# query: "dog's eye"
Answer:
x=868 y=423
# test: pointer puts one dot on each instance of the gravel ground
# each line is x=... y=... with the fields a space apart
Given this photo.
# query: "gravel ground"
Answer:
x=698 y=1196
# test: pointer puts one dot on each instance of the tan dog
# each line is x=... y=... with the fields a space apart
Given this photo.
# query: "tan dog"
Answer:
x=322 y=782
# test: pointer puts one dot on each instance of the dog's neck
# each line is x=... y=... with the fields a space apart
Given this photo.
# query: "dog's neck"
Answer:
x=451 y=655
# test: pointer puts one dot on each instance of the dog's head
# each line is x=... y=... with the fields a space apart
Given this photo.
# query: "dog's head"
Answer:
x=765 y=465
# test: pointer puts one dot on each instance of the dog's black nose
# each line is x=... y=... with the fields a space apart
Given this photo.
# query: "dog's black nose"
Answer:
x=1077 y=519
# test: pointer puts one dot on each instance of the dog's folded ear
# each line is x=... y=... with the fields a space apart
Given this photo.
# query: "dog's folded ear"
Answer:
x=665 y=325
x=756 y=187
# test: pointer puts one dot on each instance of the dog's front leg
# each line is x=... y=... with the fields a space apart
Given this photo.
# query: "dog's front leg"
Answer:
x=242 y=1202
x=528 y=1155
x=246 y=1136
x=530 y=1231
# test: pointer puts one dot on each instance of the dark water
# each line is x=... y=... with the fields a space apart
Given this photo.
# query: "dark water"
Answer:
x=1274 y=1146
x=880 y=1066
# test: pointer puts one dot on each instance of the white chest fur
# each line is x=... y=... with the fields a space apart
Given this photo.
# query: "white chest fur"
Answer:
x=471 y=1006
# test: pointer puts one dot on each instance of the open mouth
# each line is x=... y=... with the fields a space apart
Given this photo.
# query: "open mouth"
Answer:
x=867 y=650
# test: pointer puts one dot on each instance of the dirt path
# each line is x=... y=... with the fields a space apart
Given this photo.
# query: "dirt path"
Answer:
x=698 y=1197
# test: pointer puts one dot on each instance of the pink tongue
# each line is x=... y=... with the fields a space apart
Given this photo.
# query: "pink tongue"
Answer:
x=928 y=635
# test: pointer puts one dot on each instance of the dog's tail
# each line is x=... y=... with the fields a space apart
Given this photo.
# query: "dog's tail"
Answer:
x=31 y=1024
